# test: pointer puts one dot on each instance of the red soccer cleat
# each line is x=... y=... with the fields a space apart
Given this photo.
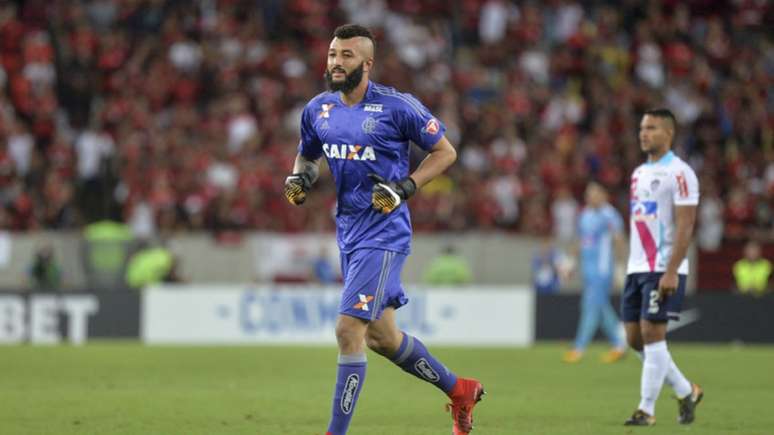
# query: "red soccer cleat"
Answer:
x=465 y=395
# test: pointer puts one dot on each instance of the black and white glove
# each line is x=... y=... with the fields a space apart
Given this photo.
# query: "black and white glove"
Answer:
x=296 y=187
x=387 y=195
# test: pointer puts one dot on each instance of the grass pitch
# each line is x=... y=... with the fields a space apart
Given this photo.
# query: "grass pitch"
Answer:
x=125 y=388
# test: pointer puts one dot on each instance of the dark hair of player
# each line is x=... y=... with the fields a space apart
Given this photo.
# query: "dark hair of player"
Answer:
x=347 y=31
x=664 y=114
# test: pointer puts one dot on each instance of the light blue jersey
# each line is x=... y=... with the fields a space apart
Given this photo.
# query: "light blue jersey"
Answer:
x=596 y=228
x=372 y=136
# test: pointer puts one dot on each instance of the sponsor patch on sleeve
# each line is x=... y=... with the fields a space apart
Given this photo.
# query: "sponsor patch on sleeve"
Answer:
x=432 y=126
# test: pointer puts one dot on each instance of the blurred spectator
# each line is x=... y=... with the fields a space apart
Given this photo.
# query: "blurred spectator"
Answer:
x=106 y=247
x=752 y=272
x=564 y=211
x=142 y=220
x=20 y=147
x=151 y=265
x=739 y=213
x=494 y=20
x=323 y=269
x=93 y=148
x=545 y=267
x=710 y=218
x=45 y=273
x=448 y=269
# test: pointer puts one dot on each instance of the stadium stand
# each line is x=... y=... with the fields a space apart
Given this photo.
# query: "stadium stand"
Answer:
x=171 y=116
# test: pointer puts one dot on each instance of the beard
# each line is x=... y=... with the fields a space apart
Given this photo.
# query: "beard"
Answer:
x=350 y=81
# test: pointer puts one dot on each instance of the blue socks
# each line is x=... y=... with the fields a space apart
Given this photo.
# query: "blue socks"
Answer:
x=413 y=357
x=349 y=382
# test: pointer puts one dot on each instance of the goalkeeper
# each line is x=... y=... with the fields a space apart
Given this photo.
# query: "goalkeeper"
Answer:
x=364 y=131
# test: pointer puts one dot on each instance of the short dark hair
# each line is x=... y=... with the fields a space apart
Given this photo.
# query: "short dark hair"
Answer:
x=667 y=114
x=663 y=113
x=347 y=31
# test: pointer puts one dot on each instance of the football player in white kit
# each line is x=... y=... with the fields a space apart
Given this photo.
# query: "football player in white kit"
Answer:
x=664 y=197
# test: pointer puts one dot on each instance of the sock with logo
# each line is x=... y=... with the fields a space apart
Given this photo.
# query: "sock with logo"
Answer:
x=654 y=371
x=413 y=357
x=349 y=382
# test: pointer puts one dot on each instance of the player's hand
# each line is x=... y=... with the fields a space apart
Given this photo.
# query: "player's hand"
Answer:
x=667 y=285
x=566 y=267
x=387 y=195
x=296 y=188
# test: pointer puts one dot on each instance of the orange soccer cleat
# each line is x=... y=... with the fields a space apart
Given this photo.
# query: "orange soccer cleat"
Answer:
x=613 y=355
x=572 y=356
x=465 y=395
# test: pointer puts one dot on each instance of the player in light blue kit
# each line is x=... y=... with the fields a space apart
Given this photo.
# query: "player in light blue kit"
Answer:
x=600 y=231
x=364 y=131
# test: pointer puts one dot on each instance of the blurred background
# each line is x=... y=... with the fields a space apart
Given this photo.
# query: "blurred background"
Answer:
x=146 y=141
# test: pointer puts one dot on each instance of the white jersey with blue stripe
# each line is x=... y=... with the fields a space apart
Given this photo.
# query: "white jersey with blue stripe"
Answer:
x=372 y=136
x=596 y=229
x=656 y=189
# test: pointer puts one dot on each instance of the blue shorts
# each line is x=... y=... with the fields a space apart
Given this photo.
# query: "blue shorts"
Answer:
x=371 y=282
x=641 y=298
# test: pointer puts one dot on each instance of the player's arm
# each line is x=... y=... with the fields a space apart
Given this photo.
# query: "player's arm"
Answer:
x=305 y=173
x=621 y=249
x=685 y=218
x=306 y=167
x=620 y=242
x=387 y=196
x=620 y=245
x=441 y=156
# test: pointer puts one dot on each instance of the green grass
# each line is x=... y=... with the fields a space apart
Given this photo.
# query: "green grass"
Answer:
x=124 y=388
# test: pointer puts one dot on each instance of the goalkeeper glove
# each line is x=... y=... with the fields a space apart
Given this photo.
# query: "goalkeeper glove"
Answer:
x=387 y=195
x=296 y=187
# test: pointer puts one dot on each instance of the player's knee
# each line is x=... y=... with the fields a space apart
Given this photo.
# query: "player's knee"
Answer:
x=633 y=335
x=653 y=336
x=635 y=342
x=376 y=344
x=382 y=344
x=349 y=339
x=653 y=332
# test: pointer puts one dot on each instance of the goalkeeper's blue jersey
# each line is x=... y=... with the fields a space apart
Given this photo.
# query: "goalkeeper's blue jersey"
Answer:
x=372 y=136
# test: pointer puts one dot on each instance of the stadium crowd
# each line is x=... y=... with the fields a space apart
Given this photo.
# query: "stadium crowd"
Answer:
x=174 y=115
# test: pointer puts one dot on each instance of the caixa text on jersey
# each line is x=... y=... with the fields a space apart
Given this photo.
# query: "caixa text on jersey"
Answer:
x=349 y=152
